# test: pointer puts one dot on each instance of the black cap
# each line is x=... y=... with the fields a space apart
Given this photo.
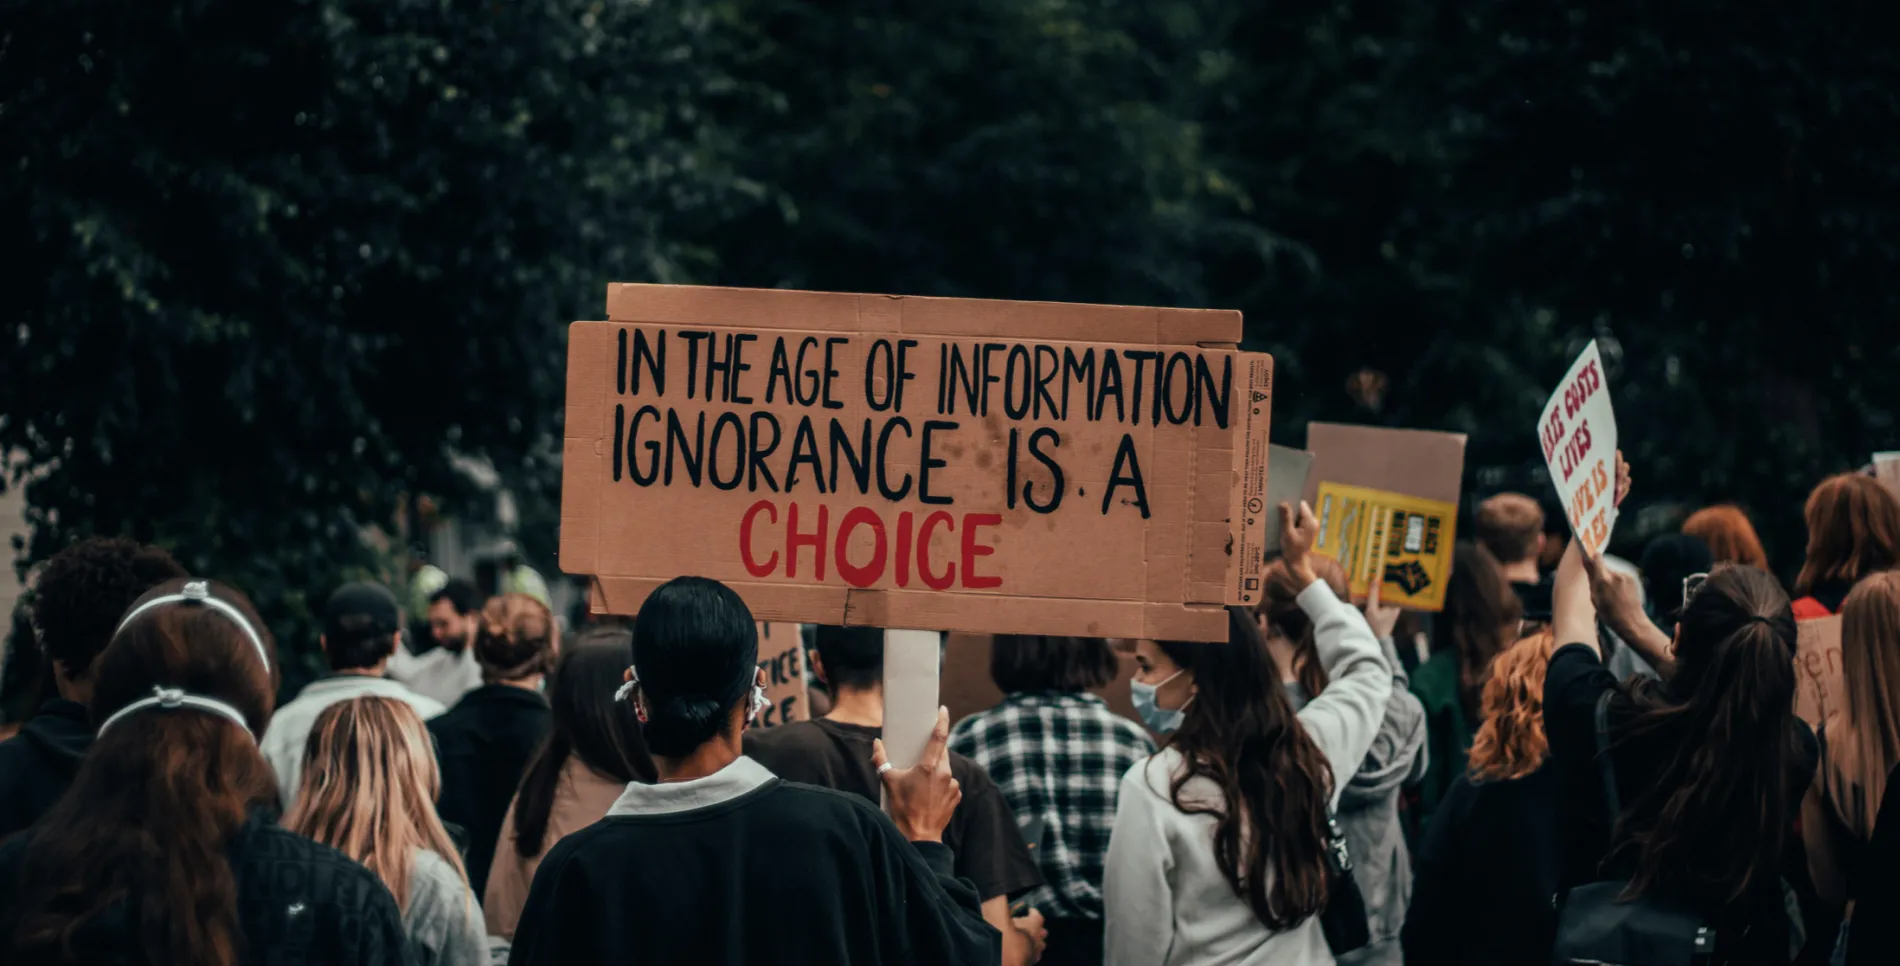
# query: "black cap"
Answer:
x=360 y=610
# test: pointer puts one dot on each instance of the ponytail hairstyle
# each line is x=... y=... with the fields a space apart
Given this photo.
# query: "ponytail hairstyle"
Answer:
x=517 y=639
x=149 y=817
x=1864 y=743
x=1279 y=609
x=589 y=724
x=695 y=657
x=369 y=789
x=1239 y=732
x=1511 y=741
x=1712 y=823
x=1482 y=613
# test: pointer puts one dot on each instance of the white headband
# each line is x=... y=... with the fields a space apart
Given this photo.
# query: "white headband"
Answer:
x=198 y=592
x=172 y=698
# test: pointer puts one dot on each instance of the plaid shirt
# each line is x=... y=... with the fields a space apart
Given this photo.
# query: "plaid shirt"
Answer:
x=1059 y=757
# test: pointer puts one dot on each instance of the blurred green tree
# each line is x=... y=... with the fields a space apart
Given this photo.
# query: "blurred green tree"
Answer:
x=269 y=264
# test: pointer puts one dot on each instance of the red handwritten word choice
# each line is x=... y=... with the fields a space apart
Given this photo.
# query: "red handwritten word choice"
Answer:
x=911 y=537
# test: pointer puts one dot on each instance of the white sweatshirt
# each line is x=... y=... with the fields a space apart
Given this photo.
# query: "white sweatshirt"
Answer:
x=1167 y=903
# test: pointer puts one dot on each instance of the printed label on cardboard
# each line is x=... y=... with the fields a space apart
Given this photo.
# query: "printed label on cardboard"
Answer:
x=1403 y=541
x=951 y=464
x=782 y=658
x=1578 y=434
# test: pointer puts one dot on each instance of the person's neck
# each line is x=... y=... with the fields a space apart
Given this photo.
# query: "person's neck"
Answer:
x=1522 y=572
x=78 y=692
x=1285 y=656
x=373 y=671
x=858 y=706
x=707 y=759
x=530 y=683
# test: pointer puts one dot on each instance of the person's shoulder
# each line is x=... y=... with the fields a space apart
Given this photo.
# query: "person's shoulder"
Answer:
x=970 y=774
x=425 y=706
x=1152 y=774
x=1127 y=732
x=271 y=853
x=791 y=737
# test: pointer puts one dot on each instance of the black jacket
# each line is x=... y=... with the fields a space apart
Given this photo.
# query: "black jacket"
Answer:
x=298 y=902
x=1874 y=936
x=785 y=874
x=484 y=745
x=1486 y=874
x=38 y=764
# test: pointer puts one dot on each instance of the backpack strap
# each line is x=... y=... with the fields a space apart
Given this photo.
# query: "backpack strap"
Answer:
x=1604 y=765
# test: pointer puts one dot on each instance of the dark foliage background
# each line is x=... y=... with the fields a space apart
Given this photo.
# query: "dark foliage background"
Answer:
x=268 y=265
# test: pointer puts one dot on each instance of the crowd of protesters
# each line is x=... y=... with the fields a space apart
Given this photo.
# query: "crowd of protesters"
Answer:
x=1583 y=752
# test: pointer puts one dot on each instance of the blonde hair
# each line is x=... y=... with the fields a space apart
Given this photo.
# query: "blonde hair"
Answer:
x=1511 y=741
x=369 y=789
x=1865 y=736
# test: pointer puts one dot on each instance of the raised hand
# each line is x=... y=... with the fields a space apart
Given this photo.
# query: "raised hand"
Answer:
x=1298 y=531
x=1382 y=617
x=922 y=797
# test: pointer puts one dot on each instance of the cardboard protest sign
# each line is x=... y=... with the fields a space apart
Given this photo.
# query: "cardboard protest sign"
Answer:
x=782 y=658
x=1887 y=471
x=1286 y=483
x=1415 y=462
x=953 y=464
x=1403 y=542
x=1817 y=669
x=1578 y=433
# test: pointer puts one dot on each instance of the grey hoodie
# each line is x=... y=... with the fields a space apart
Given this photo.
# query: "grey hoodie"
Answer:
x=1369 y=815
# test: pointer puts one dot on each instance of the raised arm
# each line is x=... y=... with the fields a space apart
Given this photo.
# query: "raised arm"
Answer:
x=1344 y=718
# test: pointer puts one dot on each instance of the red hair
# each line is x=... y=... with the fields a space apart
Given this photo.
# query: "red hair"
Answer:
x=1729 y=534
x=1511 y=742
x=1853 y=530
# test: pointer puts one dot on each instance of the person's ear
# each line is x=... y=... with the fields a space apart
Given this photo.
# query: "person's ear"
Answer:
x=1543 y=540
x=1675 y=641
x=323 y=643
x=818 y=667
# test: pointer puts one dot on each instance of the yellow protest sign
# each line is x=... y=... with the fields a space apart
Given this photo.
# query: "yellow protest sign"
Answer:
x=1404 y=541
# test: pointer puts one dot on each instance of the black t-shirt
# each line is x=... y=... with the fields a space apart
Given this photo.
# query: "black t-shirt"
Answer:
x=784 y=874
x=989 y=848
x=1575 y=682
x=298 y=902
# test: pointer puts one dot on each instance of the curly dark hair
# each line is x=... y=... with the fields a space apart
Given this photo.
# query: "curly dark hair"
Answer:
x=84 y=591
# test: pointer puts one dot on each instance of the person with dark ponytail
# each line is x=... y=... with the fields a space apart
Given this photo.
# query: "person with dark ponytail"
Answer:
x=164 y=849
x=1710 y=761
x=1219 y=853
x=594 y=750
x=484 y=743
x=721 y=862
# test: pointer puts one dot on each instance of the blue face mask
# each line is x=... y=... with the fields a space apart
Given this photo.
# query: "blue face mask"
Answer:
x=1159 y=720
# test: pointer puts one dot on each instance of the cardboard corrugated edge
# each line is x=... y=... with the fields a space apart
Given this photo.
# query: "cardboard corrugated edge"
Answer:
x=923 y=608
x=761 y=308
x=582 y=450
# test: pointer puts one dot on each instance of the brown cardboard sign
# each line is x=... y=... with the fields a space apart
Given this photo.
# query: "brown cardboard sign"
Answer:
x=782 y=658
x=1413 y=462
x=1817 y=669
x=953 y=464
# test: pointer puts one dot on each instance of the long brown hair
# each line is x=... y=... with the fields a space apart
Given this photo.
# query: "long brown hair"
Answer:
x=1729 y=534
x=589 y=723
x=1279 y=607
x=159 y=796
x=518 y=638
x=1481 y=614
x=1240 y=733
x=1511 y=741
x=1853 y=530
x=1712 y=822
x=369 y=788
x=1864 y=740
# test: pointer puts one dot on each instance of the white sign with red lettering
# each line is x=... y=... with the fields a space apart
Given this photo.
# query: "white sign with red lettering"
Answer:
x=1578 y=433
